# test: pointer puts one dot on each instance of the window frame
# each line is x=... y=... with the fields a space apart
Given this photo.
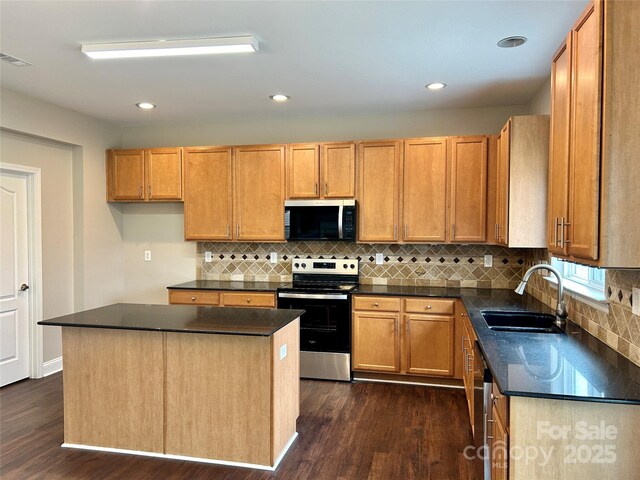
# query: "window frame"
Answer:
x=590 y=290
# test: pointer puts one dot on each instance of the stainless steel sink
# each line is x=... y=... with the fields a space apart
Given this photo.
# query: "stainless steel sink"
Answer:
x=516 y=321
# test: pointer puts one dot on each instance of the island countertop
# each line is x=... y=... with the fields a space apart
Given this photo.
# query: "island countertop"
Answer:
x=181 y=319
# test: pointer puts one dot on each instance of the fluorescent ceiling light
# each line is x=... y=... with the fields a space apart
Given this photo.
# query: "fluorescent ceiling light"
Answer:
x=168 y=48
x=436 y=86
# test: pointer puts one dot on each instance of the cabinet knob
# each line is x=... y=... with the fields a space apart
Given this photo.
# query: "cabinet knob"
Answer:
x=375 y=304
x=428 y=307
x=248 y=300
x=193 y=299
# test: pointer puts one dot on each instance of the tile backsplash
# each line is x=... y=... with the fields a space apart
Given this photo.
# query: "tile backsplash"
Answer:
x=619 y=328
x=424 y=265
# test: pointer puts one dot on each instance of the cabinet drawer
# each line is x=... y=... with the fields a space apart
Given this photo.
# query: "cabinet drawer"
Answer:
x=385 y=304
x=249 y=300
x=194 y=297
x=501 y=404
x=429 y=305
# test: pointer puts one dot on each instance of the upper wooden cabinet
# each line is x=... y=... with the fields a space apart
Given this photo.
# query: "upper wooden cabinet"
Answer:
x=468 y=197
x=424 y=188
x=208 y=196
x=603 y=142
x=379 y=173
x=144 y=175
x=321 y=170
x=258 y=192
x=521 y=183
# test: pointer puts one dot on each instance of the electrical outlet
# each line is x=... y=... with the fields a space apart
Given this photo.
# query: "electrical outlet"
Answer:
x=635 y=299
x=147 y=255
x=379 y=258
x=273 y=257
x=283 y=351
x=488 y=261
x=208 y=256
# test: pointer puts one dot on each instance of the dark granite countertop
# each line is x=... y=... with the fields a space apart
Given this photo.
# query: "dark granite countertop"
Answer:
x=181 y=318
x=219 y=285
x=573 y=365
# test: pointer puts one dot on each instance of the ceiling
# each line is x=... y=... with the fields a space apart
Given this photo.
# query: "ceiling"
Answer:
x=332 y=58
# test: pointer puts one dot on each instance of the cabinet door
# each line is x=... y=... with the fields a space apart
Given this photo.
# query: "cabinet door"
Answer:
x=338 y=162
x=499 y=449
x=376 y=343
x=559 y=147
x=378 y=191
x=425 y=190
x=303 y=170
x=502 y=198
x=164 y=174
x=125 y=175
x=429 y=344
x=468 y=189
x=259 y=192
x=584 y=192
x=207 y=196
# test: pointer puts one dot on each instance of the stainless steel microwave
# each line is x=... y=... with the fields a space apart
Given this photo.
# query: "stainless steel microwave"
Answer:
x=320 y=219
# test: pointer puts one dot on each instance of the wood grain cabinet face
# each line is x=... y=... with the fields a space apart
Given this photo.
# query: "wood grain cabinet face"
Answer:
x=559 y=149
x=425 y=190
x=125 y=175
x=468 y=189
x=208 y=194
x=376 y=341
x=321 y=170
x=259 y=191
x=429 y=344
x=499 y=448
x=144 y=175
x=584 y=164
x=502 y=195
x=378 y=191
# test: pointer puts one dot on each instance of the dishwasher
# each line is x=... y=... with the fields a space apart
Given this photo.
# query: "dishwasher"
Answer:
x=483 y=415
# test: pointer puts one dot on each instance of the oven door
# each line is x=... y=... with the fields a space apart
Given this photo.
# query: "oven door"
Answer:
x=326 y=324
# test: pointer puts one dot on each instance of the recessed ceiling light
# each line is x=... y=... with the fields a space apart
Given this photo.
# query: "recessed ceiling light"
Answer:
x=279 y=97
x=436 y=86
x=511 y=42
x=145 y=105
x=168 y=48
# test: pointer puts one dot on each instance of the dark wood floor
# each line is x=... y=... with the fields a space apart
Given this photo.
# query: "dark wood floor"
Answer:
x=346 y=431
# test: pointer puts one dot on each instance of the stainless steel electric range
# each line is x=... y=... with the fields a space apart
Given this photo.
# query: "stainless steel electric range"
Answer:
x=322 y=288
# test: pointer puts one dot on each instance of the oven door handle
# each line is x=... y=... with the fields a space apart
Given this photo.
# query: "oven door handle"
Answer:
x=313 y=296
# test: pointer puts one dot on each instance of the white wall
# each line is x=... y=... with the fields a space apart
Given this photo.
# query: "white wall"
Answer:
x=160 y=227
x=541 y=101
x=55 y=160
x=98 y=274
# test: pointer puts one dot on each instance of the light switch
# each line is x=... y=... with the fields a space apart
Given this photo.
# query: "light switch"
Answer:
x=147 y=255
x=208 y=257
x=635 y=299
x=273 y=257
x=488 y=261
x=283 y=351
x=379 y=258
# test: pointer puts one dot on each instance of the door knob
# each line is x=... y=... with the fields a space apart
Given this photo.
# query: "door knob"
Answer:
x=24 y=287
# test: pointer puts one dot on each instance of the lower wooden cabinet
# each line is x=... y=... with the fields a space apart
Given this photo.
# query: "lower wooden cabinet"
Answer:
x=214 y=298
x=411 y=336
x=499 y=448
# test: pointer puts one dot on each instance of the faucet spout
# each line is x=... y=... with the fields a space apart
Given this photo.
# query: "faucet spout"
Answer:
x=561 y=309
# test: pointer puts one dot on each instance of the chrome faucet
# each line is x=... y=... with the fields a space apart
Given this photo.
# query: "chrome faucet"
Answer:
x=561 y=309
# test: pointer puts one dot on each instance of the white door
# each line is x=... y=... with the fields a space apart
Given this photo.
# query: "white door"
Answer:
x=14 y=279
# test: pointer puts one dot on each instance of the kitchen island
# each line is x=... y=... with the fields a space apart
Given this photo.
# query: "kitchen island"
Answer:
x=218 y=385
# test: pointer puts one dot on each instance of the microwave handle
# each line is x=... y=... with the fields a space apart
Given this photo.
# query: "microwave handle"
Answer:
x=340 y=215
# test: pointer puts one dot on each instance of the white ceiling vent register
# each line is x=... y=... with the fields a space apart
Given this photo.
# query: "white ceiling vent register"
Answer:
x=14 y=61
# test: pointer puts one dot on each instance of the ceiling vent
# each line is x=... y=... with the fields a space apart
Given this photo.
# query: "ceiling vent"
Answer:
x=14 y=61
x=511 y=42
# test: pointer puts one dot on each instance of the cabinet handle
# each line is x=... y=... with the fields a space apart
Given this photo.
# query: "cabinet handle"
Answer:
x=406 y=231
x=149 y=190
x=495 y=231
x=326 y=188
x=228 y=231
x=489 y=422
x=463 y=314
x=564 y=224
x=469 y=357
x=395 y=232
x=140 y=191
x=466 y=363
x=315 y=189
x=237 y=231
x=555 y=232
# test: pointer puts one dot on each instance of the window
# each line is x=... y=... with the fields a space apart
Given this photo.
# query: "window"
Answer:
x=586 y=281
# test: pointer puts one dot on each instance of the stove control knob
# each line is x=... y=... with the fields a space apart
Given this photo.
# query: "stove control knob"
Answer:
x=345 y=266
x=352 y=266
x=304 y=265
x=297 y=265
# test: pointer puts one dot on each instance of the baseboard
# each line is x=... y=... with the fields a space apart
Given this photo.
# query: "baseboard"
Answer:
x=52 y=366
